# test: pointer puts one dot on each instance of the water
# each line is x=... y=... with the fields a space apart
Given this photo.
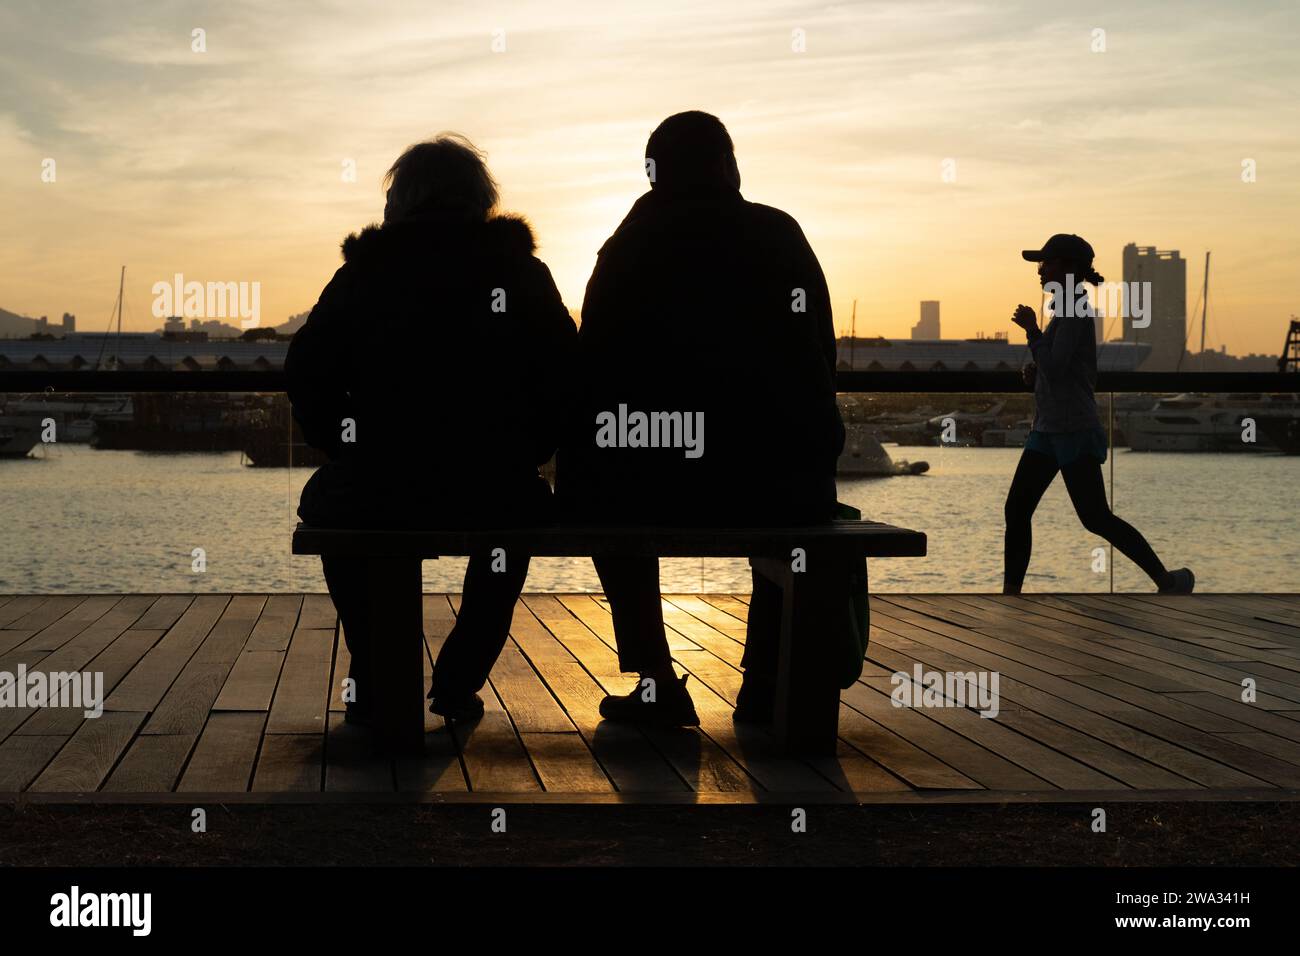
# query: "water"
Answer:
x=85 y=521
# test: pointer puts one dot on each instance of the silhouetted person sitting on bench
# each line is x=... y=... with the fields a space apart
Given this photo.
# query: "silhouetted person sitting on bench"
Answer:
x=709 y=315
x=429 y=371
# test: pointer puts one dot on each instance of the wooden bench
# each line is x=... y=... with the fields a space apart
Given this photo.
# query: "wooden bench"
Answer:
x=806 y=718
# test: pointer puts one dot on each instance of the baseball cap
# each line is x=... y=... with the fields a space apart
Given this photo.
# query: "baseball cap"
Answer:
x=1063 y=245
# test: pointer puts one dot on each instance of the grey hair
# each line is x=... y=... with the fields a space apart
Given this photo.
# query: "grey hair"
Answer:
x=448 y=174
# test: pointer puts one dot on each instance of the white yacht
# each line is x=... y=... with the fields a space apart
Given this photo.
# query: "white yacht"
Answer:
x=1195 y=422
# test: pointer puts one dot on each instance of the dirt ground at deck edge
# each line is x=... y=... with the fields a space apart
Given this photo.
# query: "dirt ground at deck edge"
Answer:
x=1137 y=834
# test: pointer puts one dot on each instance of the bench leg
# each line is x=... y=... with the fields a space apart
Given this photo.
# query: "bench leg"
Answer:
x=397 y=649
x=806 y=718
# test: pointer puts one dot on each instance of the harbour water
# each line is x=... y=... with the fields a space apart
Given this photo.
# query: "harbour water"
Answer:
x=80 y=520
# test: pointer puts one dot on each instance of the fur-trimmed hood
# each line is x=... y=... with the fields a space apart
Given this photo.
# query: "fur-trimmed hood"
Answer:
x=505 y=233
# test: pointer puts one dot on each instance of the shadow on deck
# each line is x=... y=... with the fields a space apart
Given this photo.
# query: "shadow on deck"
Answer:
x=1129 y=696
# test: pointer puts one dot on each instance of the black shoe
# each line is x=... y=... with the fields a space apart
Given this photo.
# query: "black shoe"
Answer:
x=756 y=702
x=671 y=705
x=457 y=708
x=1181 y=581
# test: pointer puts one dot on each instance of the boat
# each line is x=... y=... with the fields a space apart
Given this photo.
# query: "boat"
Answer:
x=270 y=447
x=76 y=418
x=958 y=429
x=864 y=457
x=1208 y=423
x=1283 y=431
x=1012 y=436
x=19 y=434
x=79 y=430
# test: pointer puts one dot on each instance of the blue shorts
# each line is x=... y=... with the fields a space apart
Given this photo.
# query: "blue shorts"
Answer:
x=1069 y=447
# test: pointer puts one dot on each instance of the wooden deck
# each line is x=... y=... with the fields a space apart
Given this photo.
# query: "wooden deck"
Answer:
x=1122 y=696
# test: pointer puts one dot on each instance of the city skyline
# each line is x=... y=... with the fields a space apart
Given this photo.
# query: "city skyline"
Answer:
x=921 y=146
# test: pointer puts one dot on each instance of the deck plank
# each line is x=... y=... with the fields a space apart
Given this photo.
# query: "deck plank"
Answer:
x=438 y=770
x=317 y=612
x=152 y=764
x=290 y=763
x=9 y=640
x=22 y=758
x=1197 y=756
x=89 y=755
x=275 y=625
x=185 y=707
x=225 y=754
x=495 y=757
x=701 y=654
x=165 y=612
x=56 y=633
x=1107 y=759
x=148 y=681
x=1193 y=672
x=114 y=663
x=981 y=748
x=49 y=612
x=752 y=748
x=627 y=756
x=302 y=695
x=18 y=605
x=78 y=652
x=251 y=683
x=1098 y=692
x=351 y=765
x=564 y=763
x=696 y=756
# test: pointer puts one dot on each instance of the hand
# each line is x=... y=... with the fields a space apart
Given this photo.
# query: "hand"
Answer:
x=1029 y=373
x=1026 y=318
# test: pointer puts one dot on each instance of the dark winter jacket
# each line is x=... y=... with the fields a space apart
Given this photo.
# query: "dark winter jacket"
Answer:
x=710 y=305
x=447 y=343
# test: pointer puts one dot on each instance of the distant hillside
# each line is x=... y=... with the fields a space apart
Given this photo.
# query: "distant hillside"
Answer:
x=13 y=325
x=293 y=324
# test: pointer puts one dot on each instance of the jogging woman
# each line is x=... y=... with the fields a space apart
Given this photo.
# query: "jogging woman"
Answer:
x=1067 y=435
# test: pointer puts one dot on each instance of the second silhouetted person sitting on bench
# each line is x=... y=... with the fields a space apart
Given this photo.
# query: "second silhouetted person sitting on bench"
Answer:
x=707 y=397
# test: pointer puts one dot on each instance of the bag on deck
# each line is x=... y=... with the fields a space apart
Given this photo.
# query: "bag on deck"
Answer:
x=857 y=611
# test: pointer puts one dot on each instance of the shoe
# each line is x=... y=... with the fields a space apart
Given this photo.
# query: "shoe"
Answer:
x=671 y=707
x=756 y=702
x=1180 y=582
x=450 y=704
x=457 y=708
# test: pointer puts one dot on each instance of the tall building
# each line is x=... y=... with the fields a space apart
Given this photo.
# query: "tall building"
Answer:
x=928 y=326
x=1166 y=271
x=69 y=323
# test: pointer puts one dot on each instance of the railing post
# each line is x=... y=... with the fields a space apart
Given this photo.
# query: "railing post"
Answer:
x=1110 y=437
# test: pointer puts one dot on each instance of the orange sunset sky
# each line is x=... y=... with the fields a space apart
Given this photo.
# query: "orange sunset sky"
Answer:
x=227 y=164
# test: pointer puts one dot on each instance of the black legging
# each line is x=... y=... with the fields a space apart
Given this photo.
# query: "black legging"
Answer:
x=1088 y=493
